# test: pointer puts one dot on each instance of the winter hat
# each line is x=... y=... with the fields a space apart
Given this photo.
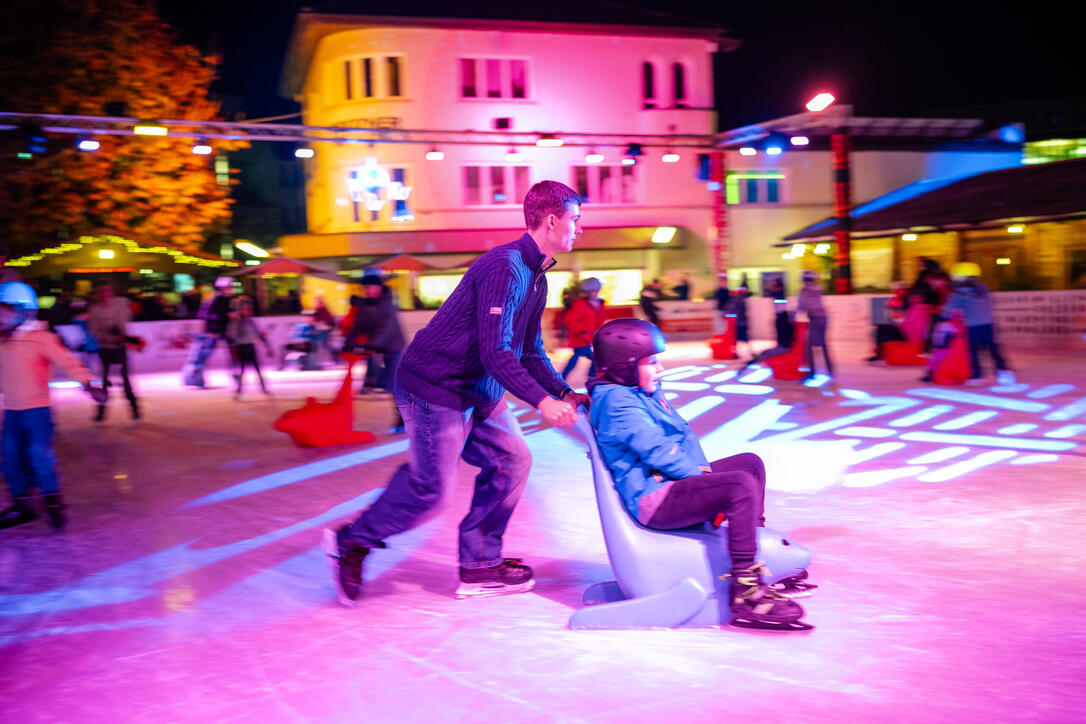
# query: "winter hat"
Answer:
x=591 y=284
x=372 y=276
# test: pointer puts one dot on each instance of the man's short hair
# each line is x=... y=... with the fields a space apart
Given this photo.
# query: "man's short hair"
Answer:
x=547 y=197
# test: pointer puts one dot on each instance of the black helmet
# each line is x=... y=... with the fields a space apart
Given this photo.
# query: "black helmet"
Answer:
x=621 y=343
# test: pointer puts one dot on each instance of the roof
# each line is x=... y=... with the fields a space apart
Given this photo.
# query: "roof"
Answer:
x=310 y=28
x=1042 y=192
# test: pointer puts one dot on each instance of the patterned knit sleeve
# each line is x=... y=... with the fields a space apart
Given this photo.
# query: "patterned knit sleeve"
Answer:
x=500 y=292
x=535 y=358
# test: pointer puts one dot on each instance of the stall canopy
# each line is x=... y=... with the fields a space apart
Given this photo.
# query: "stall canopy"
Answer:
x=285 y=265
x=409 y=263
x=1044 y=192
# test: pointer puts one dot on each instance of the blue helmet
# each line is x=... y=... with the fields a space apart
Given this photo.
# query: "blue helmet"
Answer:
x=620 y=344
x=19 y=295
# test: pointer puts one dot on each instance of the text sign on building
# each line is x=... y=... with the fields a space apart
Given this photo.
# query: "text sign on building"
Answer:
x=373 y=186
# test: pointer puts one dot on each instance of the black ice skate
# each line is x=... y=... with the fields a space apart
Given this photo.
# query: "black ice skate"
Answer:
x=54 y=510
x=509 y=576
x=20 y=512
x=756 y=605
x=796 y=586
x=345 y=557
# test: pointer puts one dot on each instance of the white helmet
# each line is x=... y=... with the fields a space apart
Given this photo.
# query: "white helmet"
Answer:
x=18 y=295
x=224 y=282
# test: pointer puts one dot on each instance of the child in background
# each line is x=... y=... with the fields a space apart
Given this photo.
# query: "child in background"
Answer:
x=663 y=476
x=243 y=335
x=946 y=330
x=582 y=320
x=27 y=350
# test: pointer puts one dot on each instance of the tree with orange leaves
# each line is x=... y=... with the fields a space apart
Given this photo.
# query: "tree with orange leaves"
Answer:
x=114 y=57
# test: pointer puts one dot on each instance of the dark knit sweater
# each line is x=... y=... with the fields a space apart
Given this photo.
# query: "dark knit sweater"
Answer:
x=486 y=337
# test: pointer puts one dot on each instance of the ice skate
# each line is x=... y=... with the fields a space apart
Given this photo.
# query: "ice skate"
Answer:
x=18 y=513
x=345 y=557
x=54 y=510
x=756 y=605
x=509 y=576
x=796 y=586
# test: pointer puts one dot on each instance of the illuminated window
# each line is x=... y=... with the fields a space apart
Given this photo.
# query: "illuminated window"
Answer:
x=497 y=185
x=678 y=73
x=606 y=183
x=648 y=84
x=434 y=290
x=754 y=187
x=493 y=78
x=389 y=199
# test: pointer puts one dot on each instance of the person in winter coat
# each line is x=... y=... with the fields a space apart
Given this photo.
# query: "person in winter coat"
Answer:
x=810 y=303
x=662 y=473
x=27 y=352
x=243 y=335
x=582 y=320
x=971 y=295
x=107 y=322
x=376 y=330
x=737 y=306
x=216 y=312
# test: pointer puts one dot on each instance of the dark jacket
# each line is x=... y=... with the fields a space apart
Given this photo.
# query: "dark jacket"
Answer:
x=975 y=301
x=486 y=337
x=376 y=320
x=722 y=296
x=216 y=313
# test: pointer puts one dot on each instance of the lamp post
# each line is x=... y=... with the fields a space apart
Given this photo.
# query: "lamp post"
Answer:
x=840 y=144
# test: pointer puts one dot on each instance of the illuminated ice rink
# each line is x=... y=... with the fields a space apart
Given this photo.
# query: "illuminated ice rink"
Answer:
x=946 y=527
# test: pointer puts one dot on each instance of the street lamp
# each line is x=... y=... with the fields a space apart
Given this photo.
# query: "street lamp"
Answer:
x=820 y=102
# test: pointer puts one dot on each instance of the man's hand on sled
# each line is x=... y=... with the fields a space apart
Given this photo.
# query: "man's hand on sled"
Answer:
x=577 y=398
x=557 y=412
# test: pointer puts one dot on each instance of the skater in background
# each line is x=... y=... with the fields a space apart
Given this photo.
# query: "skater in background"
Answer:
x=216 y=312
x=971 y=296
x=722 y=294
x=942 y=337
x=782 y=321
x=450 y=386
x=737 y=306
x=27 y=351
x=582 y=320
x=243 y=335
x=664 y=477
x=376 y=332
x=810 y=303
x=682 y=289
x=650 y=295
x=107 y=323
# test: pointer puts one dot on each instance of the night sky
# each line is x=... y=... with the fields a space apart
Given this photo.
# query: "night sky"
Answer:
x=908 y=59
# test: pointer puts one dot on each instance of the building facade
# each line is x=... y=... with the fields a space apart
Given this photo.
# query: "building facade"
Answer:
x=367 y=202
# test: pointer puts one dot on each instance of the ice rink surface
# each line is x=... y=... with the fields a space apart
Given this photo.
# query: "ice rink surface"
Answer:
x=946 y=527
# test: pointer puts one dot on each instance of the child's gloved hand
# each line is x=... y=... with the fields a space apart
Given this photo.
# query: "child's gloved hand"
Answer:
x=97 y=393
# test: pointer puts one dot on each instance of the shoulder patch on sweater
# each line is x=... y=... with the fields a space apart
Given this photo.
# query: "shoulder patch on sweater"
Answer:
x=495 y=310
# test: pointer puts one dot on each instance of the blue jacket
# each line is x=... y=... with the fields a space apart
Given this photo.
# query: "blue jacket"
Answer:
x=975 y=301
x=486 y=338
x=642 y=439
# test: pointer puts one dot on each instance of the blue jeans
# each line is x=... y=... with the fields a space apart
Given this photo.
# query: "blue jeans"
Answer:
x=26 y=449
x=486 y=437
x=982 y=336
x=579 y=352
x=207 y=346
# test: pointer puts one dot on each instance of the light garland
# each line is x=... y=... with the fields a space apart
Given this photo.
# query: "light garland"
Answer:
x=130 y=246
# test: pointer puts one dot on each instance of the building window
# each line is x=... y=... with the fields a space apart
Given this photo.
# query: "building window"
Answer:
x=393 y=65
x=378 y=77
x=499 y=78
x=754 y=187
x=605 y=183
x=497 y=185
x=467 y=78
x=648 y=84
x=678 y=72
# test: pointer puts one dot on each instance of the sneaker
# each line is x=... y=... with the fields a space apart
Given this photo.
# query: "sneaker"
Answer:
x=509 y=576
x=345 y=557
x=1005 y=377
